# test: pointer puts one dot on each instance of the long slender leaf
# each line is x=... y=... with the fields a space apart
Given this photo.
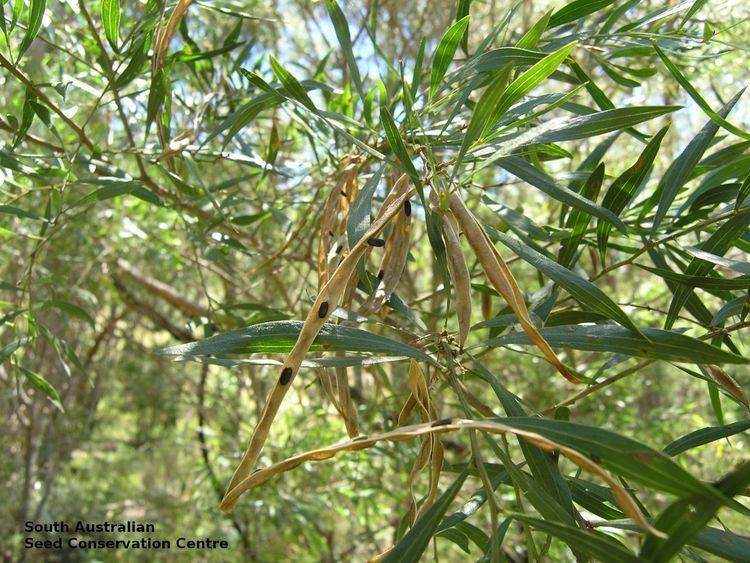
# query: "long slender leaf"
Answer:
x=445 y=51
x=342 y=33
x=412 y=545
x=36 y=15
x=577 y=10
x=581 y=289
x=705 y=436
x=594 y=544
x=664 y=345
x=717 y=244
x=280 y=336
x=110 y=12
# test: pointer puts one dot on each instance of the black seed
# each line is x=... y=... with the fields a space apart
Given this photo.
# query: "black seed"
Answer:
x=339 y=248
x=407 y=208
x=443 y=422
x=286 y=376
x=323 y=310
x=360 y=438
x=375 y=242
x=381 y=273
x=330 y=233
x=343 y=193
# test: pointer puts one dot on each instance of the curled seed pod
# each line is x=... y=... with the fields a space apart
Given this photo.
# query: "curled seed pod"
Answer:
x=330 y=226
x=332 y=293
x=502 y=279
x=459 y=274
x=622 y=497
x=392 y=265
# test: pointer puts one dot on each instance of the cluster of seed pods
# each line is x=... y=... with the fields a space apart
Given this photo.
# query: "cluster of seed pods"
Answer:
x=330 y=296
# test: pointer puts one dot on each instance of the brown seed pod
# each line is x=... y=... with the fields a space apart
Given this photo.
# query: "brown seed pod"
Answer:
x=392 y=265
x=622 y=497
x=332 y=293
x=459 y=274
x=330 y=245
x=502 y=279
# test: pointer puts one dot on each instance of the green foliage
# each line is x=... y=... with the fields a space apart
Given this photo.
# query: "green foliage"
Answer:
x=182 y=180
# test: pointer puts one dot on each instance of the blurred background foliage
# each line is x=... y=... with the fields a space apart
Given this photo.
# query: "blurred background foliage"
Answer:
x=130 y=221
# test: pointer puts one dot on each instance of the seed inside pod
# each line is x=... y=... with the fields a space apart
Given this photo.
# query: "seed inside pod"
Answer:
x=339 y=248
x=381 y=273
x=443 y=422
x=323 y=310
x=375 y=242
x=407 y=208
x=286 y=376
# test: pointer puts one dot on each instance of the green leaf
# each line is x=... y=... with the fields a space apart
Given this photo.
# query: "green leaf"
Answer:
x=578 y=221
x=620 y=455
x=18 y=212
x=36 y=15
x=532 y=175
x=70 y=309
x=415 y=541
x=581 y=289
x=138 y=55
x=704 y=282
x=280 y=336
x=397 y=144
x=532 y=36
x=342 y=33
x=291 y=84
x=682 y=522
x=44 y=386
x=717 y=244
x=115 y=187
x=498 y=58
x=542 y=466
x=622 y=190
x=9 y=349
x=743 y=192
x=521 y=86
x=705 y=436
x=577 y=10
x=110 y=12
x=157 y=94
x=601 y=122
x=693 y=93
x=445 y=51
x=592 y=543
x=663 y=345
x=679 y=171
x=462 y=10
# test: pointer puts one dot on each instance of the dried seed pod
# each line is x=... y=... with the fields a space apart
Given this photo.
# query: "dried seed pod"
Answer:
x=332 y=293
x=502 y=279
x=330 y=226
x=459 y=274
x=392 y=265
x=622 y=497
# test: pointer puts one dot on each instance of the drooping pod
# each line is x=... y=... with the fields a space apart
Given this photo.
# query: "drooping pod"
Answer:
x=331 y=293
x=459 y=274
x=621 y=496
x=332 y=241
x=393 y=263
x=502 y=279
